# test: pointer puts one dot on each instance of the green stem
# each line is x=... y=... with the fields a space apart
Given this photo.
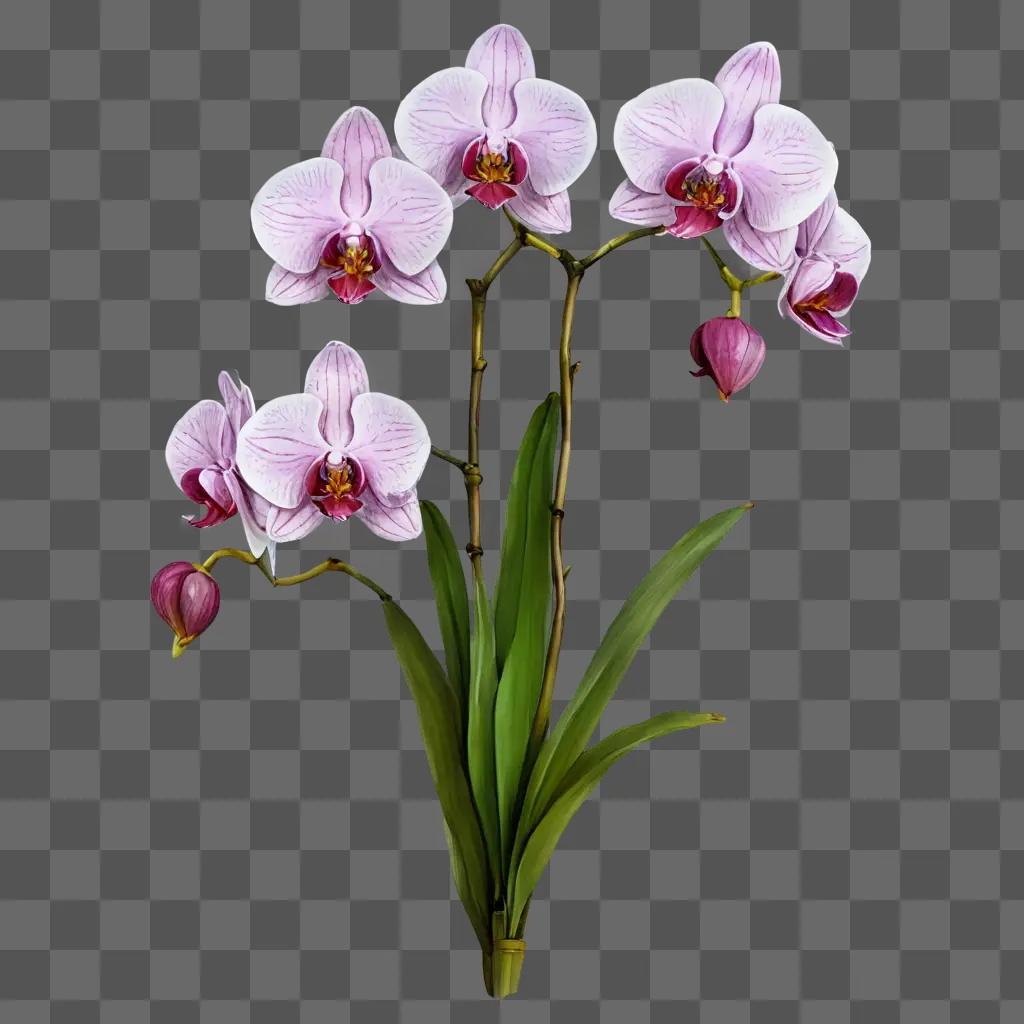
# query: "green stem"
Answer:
x=566 y=371
x=446 y=456
x=531 y=238
x=478 y=287
x=735 y=303
x=753 y=282
x=615 y=243
x=328 y=565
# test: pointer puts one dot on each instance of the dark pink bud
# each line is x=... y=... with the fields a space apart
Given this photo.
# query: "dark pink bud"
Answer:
x=729 y=351
x=187 y=598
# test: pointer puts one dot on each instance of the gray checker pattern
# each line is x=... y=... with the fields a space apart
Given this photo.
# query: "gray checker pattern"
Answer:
x=249 y=834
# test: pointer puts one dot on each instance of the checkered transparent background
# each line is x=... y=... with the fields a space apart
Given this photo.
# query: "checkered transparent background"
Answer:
x=249 y=833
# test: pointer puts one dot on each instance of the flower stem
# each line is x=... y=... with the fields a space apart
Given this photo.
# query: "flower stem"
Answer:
x=328 y=565
x=446 y=456
x=735 y=303
x=620 y=240
x=566 y=371
x=478 y=287
x=332 y=565
x=531 y=238
x=753 y=282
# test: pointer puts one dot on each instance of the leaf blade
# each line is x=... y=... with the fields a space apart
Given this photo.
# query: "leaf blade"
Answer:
x=615 y=654
x=508 y=589
x=483 y=688
x=451 y=598
x=436 y=707
x=521 y=675
x=581 y=779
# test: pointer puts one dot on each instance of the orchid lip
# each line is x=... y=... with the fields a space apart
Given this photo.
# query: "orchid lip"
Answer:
x=335 y=483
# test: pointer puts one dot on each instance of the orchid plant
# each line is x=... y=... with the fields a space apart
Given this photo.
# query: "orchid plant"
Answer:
x=357 y=219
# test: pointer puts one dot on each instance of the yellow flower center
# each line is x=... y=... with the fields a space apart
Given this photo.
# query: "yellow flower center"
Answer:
x=338 y=482
x=818 y=302
x=354 y=261
x=492 y=167
x=705 y=193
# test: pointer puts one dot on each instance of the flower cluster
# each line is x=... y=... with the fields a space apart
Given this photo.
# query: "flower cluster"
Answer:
x=698 y=155
x=333 y=452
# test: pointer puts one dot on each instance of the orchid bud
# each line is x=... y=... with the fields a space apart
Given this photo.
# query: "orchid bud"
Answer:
x=187 y=598
x=729 y=351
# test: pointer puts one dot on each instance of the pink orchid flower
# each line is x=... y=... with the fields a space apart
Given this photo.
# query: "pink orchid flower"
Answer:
x=494 y=131
x=338 y=450
x=823 y=261
x=697 y=153
x=201 y=453
x=352 y=220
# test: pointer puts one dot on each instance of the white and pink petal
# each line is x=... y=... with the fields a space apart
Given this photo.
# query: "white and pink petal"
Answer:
x=552 y=214
x=336 y=375
x=390 y=442
x=287 y=289
x=555 y=128
x=787 y=169
x=277 y=447
x=503 y=56
x=296 y=211
x=357 y=141
x=286 y=525
x=438 y=119
x=845 y=242
x=410 y=214
x=635 y=206
x=766 y=250
x=748 y=80
x=196 y=440
x=238 y=402
x=403 y=522
x=426 y=288
x=664 y=126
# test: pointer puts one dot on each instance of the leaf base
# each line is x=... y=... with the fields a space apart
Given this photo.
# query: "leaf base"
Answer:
x=503 y=967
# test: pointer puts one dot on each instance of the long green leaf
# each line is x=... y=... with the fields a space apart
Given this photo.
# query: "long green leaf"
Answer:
x=509 y=588
x=521 y=675
x=450 y=596
x=483 y=688
x=577 y=785
x=442 y=739
x=613 y=657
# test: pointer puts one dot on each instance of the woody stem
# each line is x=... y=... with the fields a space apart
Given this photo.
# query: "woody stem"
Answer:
x=478 y=287
x=574 y=270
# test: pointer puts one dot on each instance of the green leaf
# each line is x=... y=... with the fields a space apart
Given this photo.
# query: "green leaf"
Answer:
x=577 y=784
x=450 y=597
x=521 y=675
x=613 y=657
x=483 y=688
x=518 y=512
x=442 y=739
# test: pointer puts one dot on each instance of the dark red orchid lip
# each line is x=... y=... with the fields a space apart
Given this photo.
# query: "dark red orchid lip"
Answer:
x=335 y=486
x=819 y=311
x=215 y=513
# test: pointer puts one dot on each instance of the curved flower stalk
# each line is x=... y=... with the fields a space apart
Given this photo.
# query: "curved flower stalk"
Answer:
x=494 y=132
x=352 y=220
x=698 y=153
